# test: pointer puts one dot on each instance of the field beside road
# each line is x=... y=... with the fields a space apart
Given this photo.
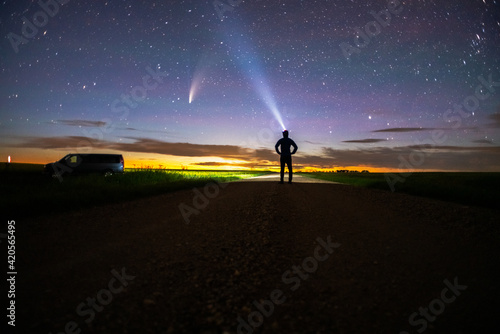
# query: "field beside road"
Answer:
x=23 y=183
x=477 y=189
x=26 y=192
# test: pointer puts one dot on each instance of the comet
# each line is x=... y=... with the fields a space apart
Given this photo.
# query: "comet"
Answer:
x=191 y=93
x=195 y=85
x=201 y=72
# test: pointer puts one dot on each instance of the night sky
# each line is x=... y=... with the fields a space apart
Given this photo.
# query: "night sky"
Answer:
x=372 y=85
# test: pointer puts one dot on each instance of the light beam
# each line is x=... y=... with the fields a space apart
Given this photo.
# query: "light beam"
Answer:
x=253 y=69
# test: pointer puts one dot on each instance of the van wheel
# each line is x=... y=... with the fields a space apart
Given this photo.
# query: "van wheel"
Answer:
x=56 y=175
x=108 y=173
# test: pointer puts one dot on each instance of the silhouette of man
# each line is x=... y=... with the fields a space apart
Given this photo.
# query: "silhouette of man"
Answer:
x=286 y=155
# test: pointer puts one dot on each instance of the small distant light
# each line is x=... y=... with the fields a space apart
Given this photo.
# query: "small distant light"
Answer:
x=8 y=159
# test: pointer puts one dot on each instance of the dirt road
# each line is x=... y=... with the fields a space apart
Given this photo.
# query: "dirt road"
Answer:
x=262 y=257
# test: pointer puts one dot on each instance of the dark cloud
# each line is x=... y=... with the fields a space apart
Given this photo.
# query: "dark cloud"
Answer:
x=423 y=129
x=316 y=161
x=496 y=120
x=421 y=157
x=81 y=122
x=364 y=141
x=254 y=165
x=404 y=129
x=68 y=142
x=482 y=141
x=140 y=130
x=146 y=145
x=414 y=157
x=210 y=163
x=449 y=148
x=111 y=126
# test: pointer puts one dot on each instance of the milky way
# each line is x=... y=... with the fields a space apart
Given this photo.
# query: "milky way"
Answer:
x=367 y=85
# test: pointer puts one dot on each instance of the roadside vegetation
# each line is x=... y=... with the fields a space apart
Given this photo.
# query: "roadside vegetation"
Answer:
x=476 y=189
x=26 y=192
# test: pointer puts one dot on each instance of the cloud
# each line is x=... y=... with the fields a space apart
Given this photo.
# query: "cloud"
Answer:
x=404 y=129
x=423 y=157
x=69 y=142
x=210 y=163
x=364 y=141
x=496 y=120
x=449 y=148
x=111 y=126
x=482 y=141
x=254 y=165
x=147 y=145
x=81 y=122
x=406 y=158
x=423 y=129
x=316 y=161
x=140 y=130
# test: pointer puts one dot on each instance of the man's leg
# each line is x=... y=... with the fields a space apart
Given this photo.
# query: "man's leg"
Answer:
x=282 y=172
x=290 y=172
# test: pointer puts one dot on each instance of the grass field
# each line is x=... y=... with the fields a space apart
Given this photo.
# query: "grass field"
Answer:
x=26 y=192
x=477 y=189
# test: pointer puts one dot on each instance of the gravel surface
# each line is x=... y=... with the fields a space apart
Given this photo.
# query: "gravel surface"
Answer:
x=262 y=257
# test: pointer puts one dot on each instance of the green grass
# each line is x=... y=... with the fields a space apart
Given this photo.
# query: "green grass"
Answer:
x=476 y=189
x=26 y=192
x=20 y=167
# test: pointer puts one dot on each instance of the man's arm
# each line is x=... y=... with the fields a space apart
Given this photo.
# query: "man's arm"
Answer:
x=276 y=147
x=294 y=147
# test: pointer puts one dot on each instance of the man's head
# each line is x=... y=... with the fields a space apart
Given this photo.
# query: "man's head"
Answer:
x=285 y=134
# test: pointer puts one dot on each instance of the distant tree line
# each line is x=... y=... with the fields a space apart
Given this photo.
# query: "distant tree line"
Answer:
x=351 y=171
x=342 y=171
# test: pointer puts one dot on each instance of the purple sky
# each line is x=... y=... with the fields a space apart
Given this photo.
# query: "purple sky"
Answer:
x=378 y=85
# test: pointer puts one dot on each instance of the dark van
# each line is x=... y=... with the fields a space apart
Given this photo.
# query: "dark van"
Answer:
x=106 y=164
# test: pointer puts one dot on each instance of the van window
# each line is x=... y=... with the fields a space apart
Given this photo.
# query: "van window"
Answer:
x=72 y=160
x=92 y=159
